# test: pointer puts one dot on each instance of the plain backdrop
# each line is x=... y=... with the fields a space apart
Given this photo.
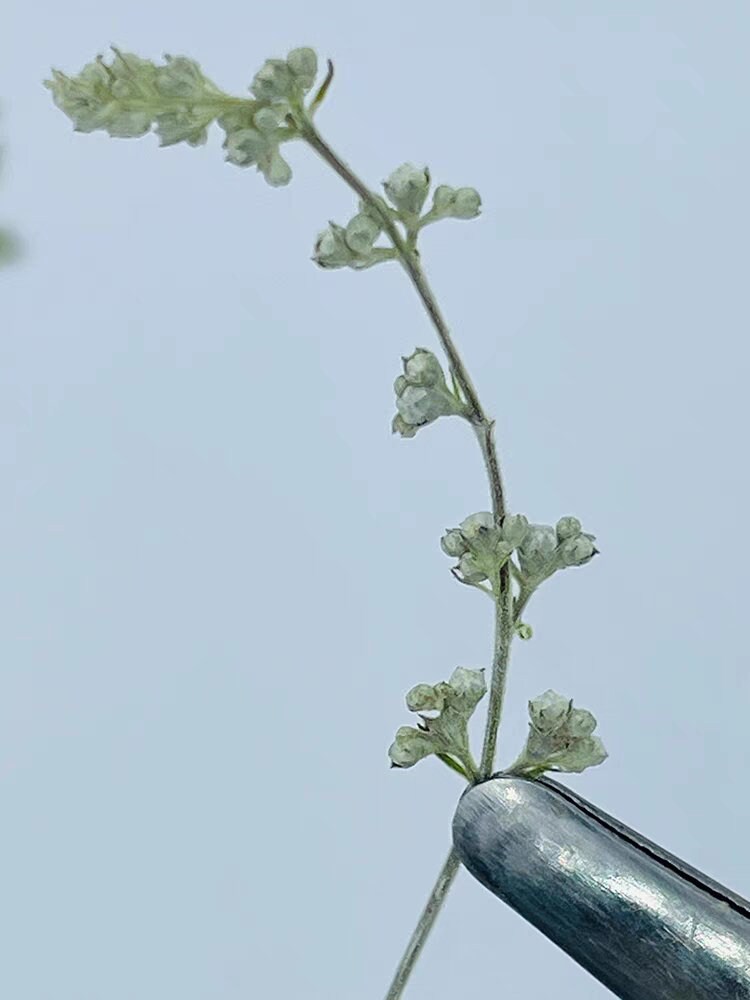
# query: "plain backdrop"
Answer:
x=220 y=571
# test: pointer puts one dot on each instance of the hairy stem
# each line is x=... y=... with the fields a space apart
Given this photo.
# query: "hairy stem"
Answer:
x=409 y=258
x=504 y=621
x=484 y=428
x=426 y=921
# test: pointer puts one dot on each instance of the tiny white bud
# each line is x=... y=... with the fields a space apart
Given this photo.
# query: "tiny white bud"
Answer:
x=331 y=248
x=304 y=65
x=577 y=551
x=453 y=543
x=466 y=204
x=549 y=711
x=425 y=698
x=567 y=527
x=469 y=686
x=407 y=188
x=475 y=525
x=409 y=747
x=470 y=569
x=274 y=81
x=515 y=528
x=361 y=233
x=266 y=119
x=423 y=368
x=442 y=199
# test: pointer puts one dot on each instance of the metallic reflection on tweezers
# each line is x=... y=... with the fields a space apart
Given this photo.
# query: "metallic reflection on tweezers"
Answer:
x=645 y=924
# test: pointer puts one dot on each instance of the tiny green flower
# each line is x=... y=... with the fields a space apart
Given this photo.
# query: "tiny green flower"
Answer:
x=446 y=732
x=560 y=738
x=483 y=547
x=407 y=189
x=453 y=203
x=280 y=80
x=422 y=394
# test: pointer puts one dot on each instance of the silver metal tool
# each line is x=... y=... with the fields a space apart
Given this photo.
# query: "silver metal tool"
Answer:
x=645 y=924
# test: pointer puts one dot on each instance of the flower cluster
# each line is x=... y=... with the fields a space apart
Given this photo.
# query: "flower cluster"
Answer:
x=422 y=394
x=560 y=738
x=132 y=95
x=545 y=549
x=406 y=188
x=353 y=245
x=445 y=731
x=482 y=547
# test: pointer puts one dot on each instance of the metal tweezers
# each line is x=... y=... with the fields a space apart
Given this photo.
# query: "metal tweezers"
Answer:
x=644 y=923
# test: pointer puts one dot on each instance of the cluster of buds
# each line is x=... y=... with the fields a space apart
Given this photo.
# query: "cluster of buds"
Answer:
x=132 y=95
x=422 y=394
x=481 y=546
x=560 y=738
x=407 y=189
x=444 y=731
x=545 y=549
x=353 y=245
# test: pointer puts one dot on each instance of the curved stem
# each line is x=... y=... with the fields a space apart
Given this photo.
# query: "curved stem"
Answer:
x=425 y=924
x=484 y=428
x=409 y=258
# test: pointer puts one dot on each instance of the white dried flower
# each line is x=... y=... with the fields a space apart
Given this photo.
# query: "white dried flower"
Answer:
x=446 y=733
x=422 y=394
x=454 y=203
x=407 y=189
x=560 y=738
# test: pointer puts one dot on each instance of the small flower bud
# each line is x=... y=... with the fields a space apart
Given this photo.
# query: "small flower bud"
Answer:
x=476 y=525
x=581 y=723
x=409 y=747
x=425 y=698
x=423 y=368
x=361 y=233
x=266 y=119
x=182 y=77
x=453 y=543
x=303 y=63
x=469 y=687
x=274 y=81
x=407 y=188
x=567 y=527
x=400 y=426
x=577 y=551
x=442 y=199
x=515 y=528
x=456 y=203
x=536 y=553
x=559 y=738
x=549 y=711
x=470 y=569
x=331 y=248
x=466 y=204
x=523 y=631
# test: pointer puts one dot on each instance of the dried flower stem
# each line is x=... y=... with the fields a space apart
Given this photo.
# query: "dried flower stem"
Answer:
x=503 y=593
x=426 y=921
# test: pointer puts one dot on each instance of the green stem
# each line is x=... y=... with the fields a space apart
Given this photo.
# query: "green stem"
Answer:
x=504 y=620
x=484 y=428
x=454 y=765
x=425 y=924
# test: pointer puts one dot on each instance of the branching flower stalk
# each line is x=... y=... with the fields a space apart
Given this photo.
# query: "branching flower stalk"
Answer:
x=497 y=551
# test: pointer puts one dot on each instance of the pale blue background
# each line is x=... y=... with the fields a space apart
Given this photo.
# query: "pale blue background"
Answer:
x=220 y=572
